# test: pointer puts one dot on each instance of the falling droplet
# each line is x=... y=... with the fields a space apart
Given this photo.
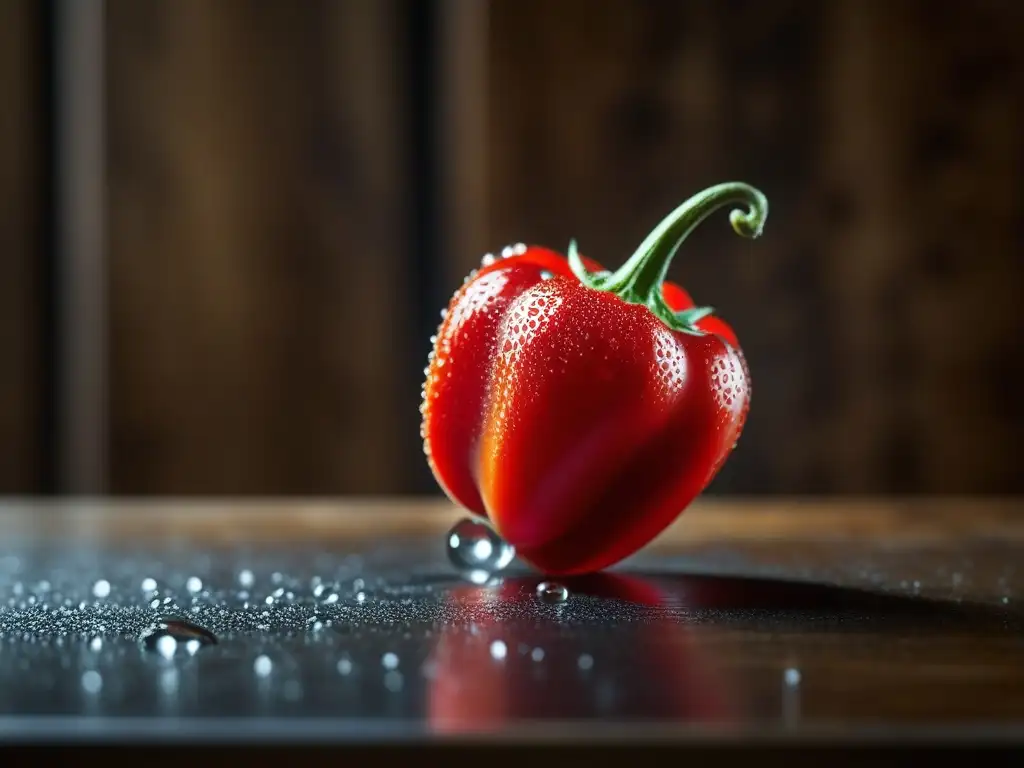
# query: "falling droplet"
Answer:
x=545 y=275
x=476 y=551
x=166 y=634
x=552 y=592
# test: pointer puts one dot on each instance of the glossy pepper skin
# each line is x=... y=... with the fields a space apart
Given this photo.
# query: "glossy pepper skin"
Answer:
x=581 y=411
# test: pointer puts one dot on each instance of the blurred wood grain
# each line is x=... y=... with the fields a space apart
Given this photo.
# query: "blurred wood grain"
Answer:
x=259 y=241
x=19 y=243
x=879 y=311
x=256 y=208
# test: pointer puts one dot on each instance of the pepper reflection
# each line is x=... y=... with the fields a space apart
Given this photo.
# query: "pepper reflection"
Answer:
x=522 y=658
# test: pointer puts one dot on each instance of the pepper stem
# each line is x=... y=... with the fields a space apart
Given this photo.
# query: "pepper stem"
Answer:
x=640 y=279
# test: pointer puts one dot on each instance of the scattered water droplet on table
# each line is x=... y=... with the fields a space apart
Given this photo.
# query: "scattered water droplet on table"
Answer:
x=262 y=666
x=92 y=681
x=476 y=551
x=167 y=634
x=499 y=650
x=552 y=592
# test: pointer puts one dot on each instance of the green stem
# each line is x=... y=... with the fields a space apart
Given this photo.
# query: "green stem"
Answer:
x=640 y=279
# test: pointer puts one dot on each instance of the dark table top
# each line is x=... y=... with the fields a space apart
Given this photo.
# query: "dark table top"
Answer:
x=346 y=621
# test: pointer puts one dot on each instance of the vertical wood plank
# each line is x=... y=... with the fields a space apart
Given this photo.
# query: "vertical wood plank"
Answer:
x=19 y=193
x=256 y=237
x=80 y=252
x=464 y=101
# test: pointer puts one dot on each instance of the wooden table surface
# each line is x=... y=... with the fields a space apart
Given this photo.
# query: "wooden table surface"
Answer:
x=748 y=619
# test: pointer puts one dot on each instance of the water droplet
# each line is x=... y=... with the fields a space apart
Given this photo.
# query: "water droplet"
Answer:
x=101 y=588
x=499 y=650
x=585 y=661
x=487 y=260
x=96 y=644
x=552 y=592
x=166 y=634
x=149 y=585
x=537 y=654
x=389 y=660
x=194 y=584
x=394 y=681
x=344 y=666
x=263 y=666
x=545 y=275
x=477 y=551
x=166 y=646
x=92 y=682
x=246 y=578
x=792 y=677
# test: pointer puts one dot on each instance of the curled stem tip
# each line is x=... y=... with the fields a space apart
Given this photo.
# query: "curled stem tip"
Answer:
x=640 y=279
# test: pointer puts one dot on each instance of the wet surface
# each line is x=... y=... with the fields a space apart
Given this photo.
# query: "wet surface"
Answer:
x=389 y=637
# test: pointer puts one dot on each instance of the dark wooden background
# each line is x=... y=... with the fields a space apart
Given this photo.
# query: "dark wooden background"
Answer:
x=294 y=189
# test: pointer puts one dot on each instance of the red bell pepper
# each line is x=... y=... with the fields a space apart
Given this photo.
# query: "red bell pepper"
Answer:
x=581 y=411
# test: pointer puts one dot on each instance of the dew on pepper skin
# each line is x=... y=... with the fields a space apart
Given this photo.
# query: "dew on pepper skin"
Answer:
x=552 y=592
x=476 y=551
x=513 y=250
